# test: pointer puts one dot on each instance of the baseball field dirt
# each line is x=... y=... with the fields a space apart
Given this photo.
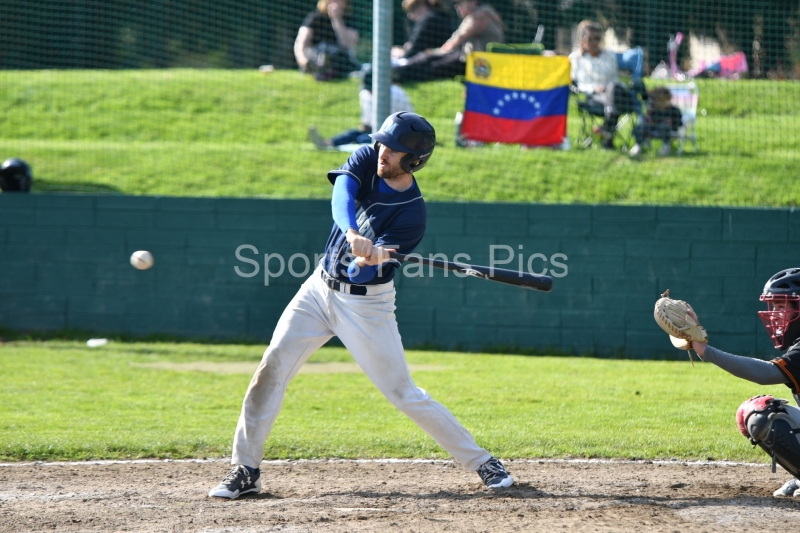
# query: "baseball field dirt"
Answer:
x=407 y=496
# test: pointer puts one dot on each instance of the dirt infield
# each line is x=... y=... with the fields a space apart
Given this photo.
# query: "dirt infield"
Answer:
x=423 y=496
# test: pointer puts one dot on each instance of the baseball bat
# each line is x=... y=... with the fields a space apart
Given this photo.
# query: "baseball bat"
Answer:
x=500 y=275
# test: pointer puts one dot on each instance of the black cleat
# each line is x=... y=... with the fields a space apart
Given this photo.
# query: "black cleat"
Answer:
x=494 y=475
x=238 y=481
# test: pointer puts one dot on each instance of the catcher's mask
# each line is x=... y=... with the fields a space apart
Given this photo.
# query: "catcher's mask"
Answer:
x=782 y=296
x=409 y=133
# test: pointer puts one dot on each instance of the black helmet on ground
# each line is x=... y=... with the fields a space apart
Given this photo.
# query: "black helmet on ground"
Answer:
x=782 y=295
x=15 y=176
x=409 y=133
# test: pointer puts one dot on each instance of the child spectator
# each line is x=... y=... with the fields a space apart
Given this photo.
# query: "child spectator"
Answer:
x=662 y=121
x=360 y=135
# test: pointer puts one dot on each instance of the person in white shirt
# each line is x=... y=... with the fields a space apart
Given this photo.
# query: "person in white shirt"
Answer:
x=361 y=135
x=595 y=73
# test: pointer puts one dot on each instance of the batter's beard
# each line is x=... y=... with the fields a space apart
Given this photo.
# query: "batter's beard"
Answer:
x=391 y=173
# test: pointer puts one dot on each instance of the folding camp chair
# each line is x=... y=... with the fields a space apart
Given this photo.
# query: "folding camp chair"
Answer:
x=592 y=114
x=535 y=48
x=684 y=97
x=531 y=49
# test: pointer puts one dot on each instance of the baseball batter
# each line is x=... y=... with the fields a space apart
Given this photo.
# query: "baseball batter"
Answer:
x=782 y=296
x=377 y=207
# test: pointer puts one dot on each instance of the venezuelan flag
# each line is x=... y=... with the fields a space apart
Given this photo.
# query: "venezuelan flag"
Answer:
x=516 y=98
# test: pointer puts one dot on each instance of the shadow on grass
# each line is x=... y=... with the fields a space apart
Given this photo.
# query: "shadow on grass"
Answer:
x=44 y=185
x=10 y=335
x=652 y=155
x=513 y=349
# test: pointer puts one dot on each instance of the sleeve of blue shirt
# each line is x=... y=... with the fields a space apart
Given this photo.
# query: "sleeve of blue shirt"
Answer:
x=343 y=206
x=359 y=274
x=343 y=202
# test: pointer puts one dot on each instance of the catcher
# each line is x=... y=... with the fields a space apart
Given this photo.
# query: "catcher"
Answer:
x=768 y=422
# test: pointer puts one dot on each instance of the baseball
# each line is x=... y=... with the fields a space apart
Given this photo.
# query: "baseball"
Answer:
x=142 y=260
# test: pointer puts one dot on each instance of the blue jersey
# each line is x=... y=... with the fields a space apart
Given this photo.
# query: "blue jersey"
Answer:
x=392 y=220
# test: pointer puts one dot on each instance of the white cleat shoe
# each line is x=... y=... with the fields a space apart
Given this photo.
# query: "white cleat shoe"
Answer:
x=790 y=488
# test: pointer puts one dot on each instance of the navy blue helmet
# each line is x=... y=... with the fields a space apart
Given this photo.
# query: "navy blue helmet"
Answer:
x=410 y=133
x=15 y=176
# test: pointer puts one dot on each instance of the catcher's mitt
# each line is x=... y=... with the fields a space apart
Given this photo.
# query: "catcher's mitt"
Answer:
x=679 y=320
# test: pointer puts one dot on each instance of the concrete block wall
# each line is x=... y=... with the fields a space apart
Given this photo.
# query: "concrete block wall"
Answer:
x=64 y=260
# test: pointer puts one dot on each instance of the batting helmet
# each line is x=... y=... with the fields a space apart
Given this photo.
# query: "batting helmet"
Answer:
x=15 y=176
x=782 y=325
x=410 y=133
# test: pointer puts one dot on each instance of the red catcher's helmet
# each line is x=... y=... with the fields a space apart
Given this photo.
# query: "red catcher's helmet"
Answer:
x=782 y=295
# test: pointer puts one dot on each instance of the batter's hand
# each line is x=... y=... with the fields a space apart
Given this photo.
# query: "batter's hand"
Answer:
x=378 y=257
x=360 y=246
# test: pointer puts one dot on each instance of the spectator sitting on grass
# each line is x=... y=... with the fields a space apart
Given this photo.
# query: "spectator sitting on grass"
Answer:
x=432 y=26
x=324 y=43
x=361 y=134
x=480 y=25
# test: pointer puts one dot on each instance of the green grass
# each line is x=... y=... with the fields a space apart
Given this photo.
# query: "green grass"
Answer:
x=241 y=133
x=60 y=400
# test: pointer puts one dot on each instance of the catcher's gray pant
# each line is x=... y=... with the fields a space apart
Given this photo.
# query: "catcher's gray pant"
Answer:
x=367 y=327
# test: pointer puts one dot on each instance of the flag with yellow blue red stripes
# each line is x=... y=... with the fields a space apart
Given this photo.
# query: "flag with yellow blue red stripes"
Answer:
x=517 y=99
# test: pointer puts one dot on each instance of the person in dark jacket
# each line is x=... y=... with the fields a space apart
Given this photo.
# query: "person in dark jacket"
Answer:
x=431 y=27
x=480 y=25
x=325 y=43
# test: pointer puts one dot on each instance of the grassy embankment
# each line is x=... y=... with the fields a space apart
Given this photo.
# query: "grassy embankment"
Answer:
x=240 y=133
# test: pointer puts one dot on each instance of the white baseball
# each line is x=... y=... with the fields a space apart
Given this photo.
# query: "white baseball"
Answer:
x=142 y=259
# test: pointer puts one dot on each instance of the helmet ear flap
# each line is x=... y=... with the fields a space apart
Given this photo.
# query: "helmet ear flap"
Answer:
x=416 y=162
x=409 y=163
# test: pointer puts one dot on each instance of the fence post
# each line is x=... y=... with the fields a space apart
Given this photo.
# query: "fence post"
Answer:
x=381 y=60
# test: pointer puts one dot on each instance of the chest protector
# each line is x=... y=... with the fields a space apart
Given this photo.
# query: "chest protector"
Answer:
x=773 y=425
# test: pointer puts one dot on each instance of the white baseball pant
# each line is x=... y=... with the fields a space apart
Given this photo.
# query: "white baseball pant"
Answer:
x=367 y=327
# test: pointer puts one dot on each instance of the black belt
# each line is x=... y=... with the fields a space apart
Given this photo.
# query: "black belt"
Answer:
x=358 y=290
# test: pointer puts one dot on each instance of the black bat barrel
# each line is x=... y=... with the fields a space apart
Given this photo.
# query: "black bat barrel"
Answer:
x=500 y=275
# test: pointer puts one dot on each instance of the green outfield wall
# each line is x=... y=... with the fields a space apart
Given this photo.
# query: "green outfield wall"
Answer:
x=64 y=263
